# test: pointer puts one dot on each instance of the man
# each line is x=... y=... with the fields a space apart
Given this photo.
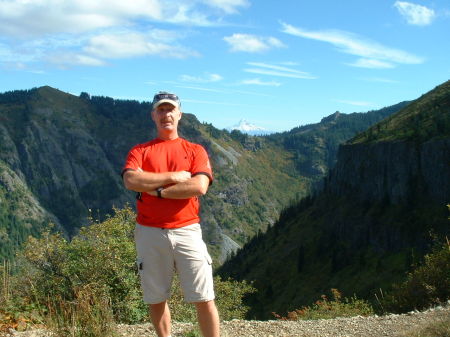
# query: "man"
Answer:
x=169 y=173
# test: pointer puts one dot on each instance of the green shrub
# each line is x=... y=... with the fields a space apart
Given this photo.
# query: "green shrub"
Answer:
x=229 y=295
x=427 y=285
x=102 y=255
x=326 y=309
x=97 y=269
x=229 y=298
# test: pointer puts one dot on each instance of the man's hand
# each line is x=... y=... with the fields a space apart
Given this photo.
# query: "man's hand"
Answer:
x=180 y=176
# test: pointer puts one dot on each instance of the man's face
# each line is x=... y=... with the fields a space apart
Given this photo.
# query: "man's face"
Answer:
x=166 y=117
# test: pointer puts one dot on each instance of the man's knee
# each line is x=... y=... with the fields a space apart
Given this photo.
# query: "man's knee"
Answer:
x=205 y=306
x=157 y=307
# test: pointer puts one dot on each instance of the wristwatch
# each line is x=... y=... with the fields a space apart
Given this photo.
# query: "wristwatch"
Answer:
x=158 y=192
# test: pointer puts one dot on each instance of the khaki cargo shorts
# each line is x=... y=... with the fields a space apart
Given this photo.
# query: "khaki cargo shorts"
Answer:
x=161 y=252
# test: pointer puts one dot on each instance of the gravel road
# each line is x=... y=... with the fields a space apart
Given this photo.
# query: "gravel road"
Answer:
x=373 y=326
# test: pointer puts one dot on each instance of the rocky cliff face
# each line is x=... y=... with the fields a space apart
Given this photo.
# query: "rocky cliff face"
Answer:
x=54 y=154
x=405 y=156
x=386 y=194
x=393 y=171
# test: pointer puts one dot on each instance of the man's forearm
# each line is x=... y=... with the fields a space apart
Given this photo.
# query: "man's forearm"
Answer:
x=193 y=187
x=140 y=181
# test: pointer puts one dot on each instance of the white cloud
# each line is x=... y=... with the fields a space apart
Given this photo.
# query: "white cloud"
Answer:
x=121 y=46
x=40 y=17
x=26 y=18
x=228 y=6
x=257 y=81
x=184 y=14
x=201 y=88
x=371 y=63
x=132 y=44
x=355 y=45
x=12 y=65
x=86 y=32
x=222 y=91
x=251 y=43
x=64 y=60
x=94 y=49
x=207 y=78
x=21 y=54
x=280 y=68
x=289 y=63
x=275 y=73
x=380 y=79
x=415 y=14
x=275 y=70
x=214 y=102
x=38 y=72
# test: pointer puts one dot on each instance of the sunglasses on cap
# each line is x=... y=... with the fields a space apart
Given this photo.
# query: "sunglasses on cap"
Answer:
x=165 y=95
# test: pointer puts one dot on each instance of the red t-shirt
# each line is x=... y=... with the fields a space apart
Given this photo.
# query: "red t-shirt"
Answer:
x=168 y=156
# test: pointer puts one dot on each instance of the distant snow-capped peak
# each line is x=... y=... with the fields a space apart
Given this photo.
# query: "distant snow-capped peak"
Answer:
x=247 y=127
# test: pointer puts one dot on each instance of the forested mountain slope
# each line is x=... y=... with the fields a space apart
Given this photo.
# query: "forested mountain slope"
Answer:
x=314 y=147
x=61 y=157
x=385 y=196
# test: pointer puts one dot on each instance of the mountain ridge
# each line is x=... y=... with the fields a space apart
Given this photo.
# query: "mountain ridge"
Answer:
x=68 y=150
x=364 y=230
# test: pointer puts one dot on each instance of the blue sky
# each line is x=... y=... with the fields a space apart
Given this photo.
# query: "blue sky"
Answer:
x=278 y=64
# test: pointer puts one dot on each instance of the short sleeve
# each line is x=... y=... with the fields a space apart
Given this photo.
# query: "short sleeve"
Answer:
x=201 y=163
x=134 y=159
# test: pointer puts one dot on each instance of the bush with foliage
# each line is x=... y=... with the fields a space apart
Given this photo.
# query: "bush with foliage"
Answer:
x=229 y=295
x=97 y=270
x=102 y=256
x=326 y=308
x=427 y=285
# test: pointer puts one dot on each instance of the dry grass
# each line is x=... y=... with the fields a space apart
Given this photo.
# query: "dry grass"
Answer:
x=89 y=315
x=439 y=328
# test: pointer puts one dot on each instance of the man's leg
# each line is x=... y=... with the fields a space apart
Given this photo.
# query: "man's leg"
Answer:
x=208 y=318
x=160 y=316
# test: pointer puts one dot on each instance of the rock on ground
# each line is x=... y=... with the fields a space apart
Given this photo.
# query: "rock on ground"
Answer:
x=372 y=326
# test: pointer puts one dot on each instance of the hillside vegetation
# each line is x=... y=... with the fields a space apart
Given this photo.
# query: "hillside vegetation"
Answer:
x=426 y=118
x=378 y=227
x=53 y=286
x=61 y=156
x=68 y=151
x=368 y=226
x=315 y=146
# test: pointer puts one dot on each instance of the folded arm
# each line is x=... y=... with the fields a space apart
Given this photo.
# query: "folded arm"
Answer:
x=140 y=181
x=193 y=187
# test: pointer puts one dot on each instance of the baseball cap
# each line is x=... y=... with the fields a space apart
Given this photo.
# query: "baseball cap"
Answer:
x=165 y=97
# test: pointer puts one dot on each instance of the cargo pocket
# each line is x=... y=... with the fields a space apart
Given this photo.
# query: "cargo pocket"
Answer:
x=207 y=256
x=139 y=266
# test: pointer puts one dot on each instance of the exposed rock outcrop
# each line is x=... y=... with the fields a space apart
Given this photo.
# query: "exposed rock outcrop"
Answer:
x=393 y=170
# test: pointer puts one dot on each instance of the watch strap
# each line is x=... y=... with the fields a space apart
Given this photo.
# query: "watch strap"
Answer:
x=158 y=192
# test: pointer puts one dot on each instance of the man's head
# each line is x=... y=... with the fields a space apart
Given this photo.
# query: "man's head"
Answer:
x=166 y=114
